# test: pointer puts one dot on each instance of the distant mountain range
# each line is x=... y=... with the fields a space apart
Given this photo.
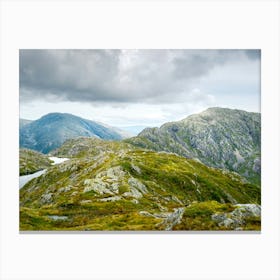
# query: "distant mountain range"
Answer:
x=51 y=130
x=218 y=137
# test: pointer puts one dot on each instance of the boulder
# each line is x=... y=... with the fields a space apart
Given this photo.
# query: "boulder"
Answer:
x=238 y=216
x=46 y=198
x=134 y=183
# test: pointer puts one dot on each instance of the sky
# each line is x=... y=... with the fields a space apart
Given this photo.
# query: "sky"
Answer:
x=137 y=87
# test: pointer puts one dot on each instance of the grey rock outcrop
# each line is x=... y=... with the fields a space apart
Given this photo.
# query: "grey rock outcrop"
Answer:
x=134 y=183
x=46 y=198
x=238 y=216
x=111 y=181
x=171 y=219
x=218 y=137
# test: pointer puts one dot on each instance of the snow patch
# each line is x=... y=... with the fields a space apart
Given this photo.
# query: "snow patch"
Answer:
x=57 y=160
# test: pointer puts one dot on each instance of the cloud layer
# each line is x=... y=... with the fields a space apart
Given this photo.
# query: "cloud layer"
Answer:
x=125 y=76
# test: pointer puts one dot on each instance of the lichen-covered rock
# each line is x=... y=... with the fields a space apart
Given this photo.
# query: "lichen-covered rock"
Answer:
x=219 y=217
x=238 y=216
x=257 y=165
x=112 y=198
x=146 y=214
x=97 y=186
x=85 y=201
x=173 y=218
x=115 y=173
x=175 y=198
x=136 y=168
x=115 y=187
x=112 y=174
x=65 y=189
x=46 y=198
x=134 y=183
x=115 y=181
x=247 y=210
x=133 y=193
x=57 y=218
x=230 y=222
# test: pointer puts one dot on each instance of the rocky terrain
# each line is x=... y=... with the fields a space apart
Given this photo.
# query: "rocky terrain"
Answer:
x=51 y=130
x=110 y=185
x=222 y=138
x=32 y=161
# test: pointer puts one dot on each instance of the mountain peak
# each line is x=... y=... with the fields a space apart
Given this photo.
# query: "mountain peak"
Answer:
x=218 y=137
x=51 y=130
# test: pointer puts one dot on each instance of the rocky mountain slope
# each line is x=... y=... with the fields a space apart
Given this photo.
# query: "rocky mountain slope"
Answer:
x=218 y=137
x=32 y=161
x=109 y=185
x=23 y=122
x=50 y=131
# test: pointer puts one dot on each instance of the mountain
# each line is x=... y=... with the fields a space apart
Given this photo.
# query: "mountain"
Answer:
x=32 y=161
x=112 y=185
x=23 y=122
x=51 y=130
x=218 y=137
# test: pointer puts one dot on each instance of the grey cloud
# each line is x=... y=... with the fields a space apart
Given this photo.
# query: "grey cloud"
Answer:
x=253 y=54
x=118 y=75
x=71 y=74
x=199 y=62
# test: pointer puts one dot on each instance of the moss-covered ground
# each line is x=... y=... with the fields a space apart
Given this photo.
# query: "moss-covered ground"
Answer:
x=31 y=161
x=59 y=200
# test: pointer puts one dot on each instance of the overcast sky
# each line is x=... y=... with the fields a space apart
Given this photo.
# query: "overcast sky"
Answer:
x=137 y=87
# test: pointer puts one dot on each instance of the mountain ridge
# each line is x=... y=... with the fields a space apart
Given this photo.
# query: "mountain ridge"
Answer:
x=51 y=130
x=219 y=137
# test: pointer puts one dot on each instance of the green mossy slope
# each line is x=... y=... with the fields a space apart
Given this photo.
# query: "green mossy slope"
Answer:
x=32 y=161
x=113 y=186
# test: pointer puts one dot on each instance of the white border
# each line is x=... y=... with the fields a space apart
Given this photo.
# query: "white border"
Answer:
x=157 y=24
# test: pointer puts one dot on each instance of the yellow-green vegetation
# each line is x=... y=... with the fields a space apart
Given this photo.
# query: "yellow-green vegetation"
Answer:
x=199 y=216
x=96 y=216
x=89 y=147
x=31 y=161
x=112 y=186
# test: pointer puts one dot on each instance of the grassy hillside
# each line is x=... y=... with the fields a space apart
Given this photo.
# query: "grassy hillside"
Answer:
x=89 y=147
x=113 y=186
x=32 y=161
